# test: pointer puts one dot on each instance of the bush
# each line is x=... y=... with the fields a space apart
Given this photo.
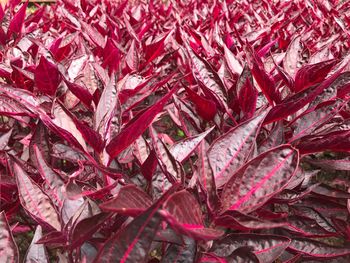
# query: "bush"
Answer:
x=176 y=131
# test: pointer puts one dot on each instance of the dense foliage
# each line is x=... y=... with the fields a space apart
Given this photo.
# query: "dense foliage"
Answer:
x=175 y=131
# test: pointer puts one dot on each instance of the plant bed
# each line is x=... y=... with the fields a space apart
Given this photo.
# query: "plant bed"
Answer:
x=175 y=131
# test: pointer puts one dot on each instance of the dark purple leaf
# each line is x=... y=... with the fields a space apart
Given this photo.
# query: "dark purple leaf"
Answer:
x=130 y=201
x=317 y=250
x=267 y=248
x=231 y=150
x=181 y=253
x=260 y=179
x=183 y=213
x=239 y=221
x=341 y=164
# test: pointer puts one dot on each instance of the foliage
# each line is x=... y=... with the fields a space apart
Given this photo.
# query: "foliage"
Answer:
x=177 y=131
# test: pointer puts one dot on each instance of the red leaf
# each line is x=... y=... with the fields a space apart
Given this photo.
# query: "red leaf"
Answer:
x=136 y=127
x=93 y=34
x=314 y=95
x=149 y=165
x=246 y=93
x=206 y=75
x=47 y=77
x=154 y=49
x=260 y=179
x=80 y=92
x=205 y=108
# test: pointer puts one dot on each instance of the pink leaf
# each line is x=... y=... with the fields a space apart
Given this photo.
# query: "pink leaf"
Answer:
x=8 y=247
x=34 y=200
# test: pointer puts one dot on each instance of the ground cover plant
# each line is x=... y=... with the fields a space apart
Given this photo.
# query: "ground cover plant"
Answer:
x=175 y=131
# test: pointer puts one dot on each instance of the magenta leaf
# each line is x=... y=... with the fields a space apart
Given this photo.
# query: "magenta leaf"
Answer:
x=205 y=74
x=293 y=56
x=310 y=75
x=130 y=201
x=183 y=213
x=8 y=247
x=34 y=200
x=132 y=58
x=183 y=149
x=149 y=165
x=93 y=34
x=206 y=108
x=47 y=77
x=17 y=21
x=140 y=123
x=205 y=176
x=231 y=150
x=132 y=242
x=261 y=178
x=52 y=179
